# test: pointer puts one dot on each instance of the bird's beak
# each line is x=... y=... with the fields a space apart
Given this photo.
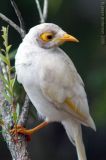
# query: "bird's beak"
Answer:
x=68 y=38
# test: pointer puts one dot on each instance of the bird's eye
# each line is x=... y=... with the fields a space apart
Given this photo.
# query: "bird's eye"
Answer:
x=47 y=36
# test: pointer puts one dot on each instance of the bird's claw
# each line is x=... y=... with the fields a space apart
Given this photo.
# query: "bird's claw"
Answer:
x=20 y=130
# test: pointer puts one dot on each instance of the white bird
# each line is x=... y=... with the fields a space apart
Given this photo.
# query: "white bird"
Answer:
x=52 y=82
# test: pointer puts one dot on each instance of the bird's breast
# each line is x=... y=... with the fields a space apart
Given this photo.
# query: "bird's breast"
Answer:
x=28 y=75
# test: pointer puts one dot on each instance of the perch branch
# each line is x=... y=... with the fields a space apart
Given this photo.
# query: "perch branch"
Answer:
x=24 y=113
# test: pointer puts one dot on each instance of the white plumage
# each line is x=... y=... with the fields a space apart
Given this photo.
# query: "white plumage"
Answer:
x=50 y=78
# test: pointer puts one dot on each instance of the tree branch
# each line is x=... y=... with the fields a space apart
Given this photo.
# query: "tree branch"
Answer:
x=45 y=9
x=24 y=113
x=18 y=13
x=40 y=11
x=11 y=23
x=42 y=14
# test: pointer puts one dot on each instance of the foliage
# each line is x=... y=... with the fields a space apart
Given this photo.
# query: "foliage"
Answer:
x=8 y=76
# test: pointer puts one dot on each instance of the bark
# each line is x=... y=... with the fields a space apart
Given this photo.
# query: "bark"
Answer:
x=18 y=148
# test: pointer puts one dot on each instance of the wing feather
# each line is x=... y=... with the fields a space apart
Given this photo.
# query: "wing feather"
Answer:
x=59 y=81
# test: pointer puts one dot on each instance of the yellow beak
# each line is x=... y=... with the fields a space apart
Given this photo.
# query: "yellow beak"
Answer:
x=68 y=38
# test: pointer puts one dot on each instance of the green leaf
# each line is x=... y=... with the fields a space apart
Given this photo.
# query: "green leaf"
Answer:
x=7 y=97
x=5 y=81
x=5 y=35
x=15 y=117
x=4 y=59
x=12 y=81
x=2 y=50
x=8 y=48
x=3 y=29
x=4 y=32
x=12 y=68
x=8 y=90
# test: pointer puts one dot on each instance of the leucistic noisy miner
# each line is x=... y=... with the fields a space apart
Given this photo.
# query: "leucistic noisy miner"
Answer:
x=52 y=82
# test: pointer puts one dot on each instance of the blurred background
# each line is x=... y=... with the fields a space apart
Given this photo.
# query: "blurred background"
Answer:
x=82 y=19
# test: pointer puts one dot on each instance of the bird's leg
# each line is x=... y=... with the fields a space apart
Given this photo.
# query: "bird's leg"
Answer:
x=21 y=130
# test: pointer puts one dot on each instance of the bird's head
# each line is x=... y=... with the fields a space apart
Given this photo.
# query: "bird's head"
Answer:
x=48 y=35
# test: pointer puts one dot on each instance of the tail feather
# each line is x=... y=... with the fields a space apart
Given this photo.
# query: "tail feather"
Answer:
x=74 y=132
x=80 y=146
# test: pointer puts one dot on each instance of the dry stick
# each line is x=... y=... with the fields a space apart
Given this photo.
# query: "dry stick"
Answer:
x=24 y=113
x=45 y=9
x=42 y=20
x=11 y=23
x=42 y=14
x=18 y=13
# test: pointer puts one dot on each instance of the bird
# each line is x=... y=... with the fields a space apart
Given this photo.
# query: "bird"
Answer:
x=52 y=83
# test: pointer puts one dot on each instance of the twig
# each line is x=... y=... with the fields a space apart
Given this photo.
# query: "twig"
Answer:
x=18 y=13
x=11 y=23
x=24 y=113
x=45 y=9
x=42 y=20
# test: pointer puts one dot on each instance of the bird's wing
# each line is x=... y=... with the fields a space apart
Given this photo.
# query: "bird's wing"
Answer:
x=61 y=84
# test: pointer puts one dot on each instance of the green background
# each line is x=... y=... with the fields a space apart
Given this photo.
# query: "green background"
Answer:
x=81 y=18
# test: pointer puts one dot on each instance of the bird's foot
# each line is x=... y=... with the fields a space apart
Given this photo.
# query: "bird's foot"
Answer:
x=27 y=132
x=20 y=130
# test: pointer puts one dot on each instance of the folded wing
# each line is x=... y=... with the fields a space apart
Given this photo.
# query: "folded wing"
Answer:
x=61 y=84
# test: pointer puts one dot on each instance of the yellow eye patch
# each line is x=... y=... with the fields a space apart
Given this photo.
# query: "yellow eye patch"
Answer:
x=47 y=36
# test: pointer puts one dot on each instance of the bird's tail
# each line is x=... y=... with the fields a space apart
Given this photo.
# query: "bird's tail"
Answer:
x=74 y=132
